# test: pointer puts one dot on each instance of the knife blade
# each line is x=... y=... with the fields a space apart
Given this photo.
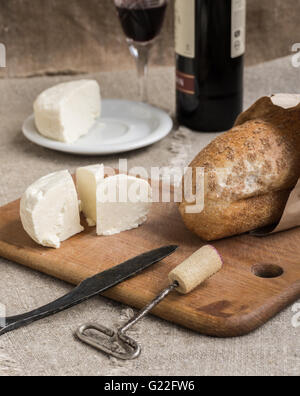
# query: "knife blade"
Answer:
x=89 y=288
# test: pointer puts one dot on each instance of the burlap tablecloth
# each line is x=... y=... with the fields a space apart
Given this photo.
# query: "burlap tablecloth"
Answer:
x=48 y=347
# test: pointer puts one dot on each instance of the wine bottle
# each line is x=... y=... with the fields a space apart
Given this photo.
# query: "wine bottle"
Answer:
x=210 y=38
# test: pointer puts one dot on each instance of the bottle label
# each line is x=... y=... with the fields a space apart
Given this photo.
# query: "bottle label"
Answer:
x=185 y=22
x=238 y=31
x=185 y=83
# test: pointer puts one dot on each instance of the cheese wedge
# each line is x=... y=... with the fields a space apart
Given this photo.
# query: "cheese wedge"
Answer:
x=67 y=111
x=123 y=203
x=115 y=204
x=87 y=179
x=50 y=210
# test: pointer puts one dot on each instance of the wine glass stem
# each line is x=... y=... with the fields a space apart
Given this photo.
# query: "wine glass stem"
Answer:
x=141 y=52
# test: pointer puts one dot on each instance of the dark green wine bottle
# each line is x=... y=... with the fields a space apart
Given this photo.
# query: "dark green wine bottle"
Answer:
x=210 y=40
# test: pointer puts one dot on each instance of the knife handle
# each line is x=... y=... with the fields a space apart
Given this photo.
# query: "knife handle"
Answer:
x=81 y=293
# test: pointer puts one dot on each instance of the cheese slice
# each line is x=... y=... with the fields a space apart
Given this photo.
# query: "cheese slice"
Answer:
x=123 y=203
x=67 y=111
x=50 y=210
x=87 y=179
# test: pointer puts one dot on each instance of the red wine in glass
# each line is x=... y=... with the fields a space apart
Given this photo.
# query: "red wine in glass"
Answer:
x=142 y=22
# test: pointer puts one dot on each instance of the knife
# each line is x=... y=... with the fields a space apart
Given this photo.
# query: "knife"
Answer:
x=89 y=288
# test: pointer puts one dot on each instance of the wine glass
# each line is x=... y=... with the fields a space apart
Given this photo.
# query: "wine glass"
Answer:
x=141 y=21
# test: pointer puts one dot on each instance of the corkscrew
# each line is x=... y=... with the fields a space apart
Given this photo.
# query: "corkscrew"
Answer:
x=185 y=278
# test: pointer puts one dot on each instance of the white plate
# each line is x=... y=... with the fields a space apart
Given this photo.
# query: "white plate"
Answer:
x=123 y=126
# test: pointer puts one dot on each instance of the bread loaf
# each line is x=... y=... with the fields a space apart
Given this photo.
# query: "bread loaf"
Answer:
x=249 y=172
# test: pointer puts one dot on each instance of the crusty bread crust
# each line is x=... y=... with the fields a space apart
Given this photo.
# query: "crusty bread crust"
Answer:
x=223 y=219
x=249 y=172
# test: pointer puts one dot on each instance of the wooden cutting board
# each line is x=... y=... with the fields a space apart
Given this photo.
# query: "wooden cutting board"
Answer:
x=235 y=302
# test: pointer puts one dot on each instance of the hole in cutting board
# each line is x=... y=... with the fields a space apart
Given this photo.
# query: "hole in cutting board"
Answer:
x=267 y=271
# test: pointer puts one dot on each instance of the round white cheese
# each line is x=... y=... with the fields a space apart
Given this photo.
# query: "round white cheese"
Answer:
x=67 y=111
